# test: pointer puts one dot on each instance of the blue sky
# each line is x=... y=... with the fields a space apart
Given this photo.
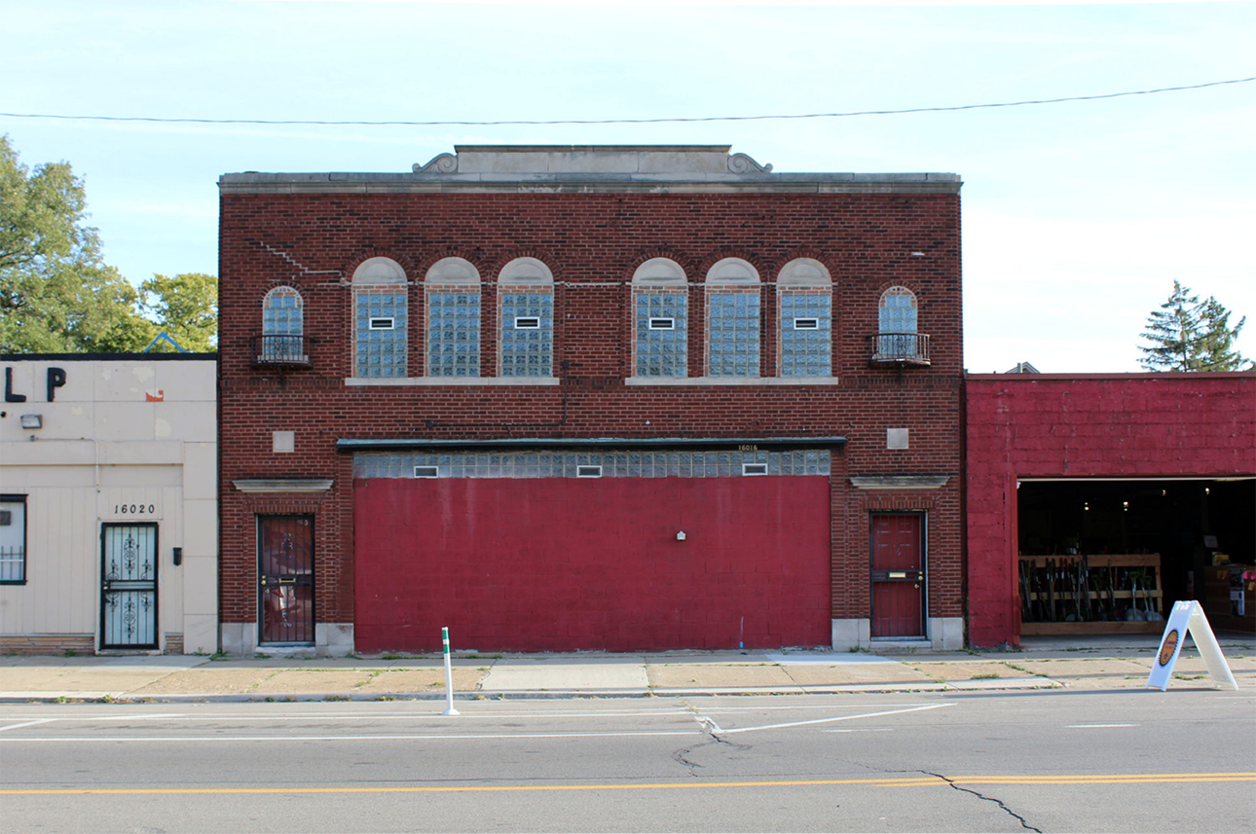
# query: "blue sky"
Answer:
x=1077 y=216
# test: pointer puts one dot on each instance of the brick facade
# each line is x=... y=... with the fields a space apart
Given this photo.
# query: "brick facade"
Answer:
x=1130 y=426
x=311 y=233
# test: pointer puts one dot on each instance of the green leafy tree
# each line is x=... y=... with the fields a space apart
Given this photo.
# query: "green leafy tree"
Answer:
x=1187 y=335
x=56 y=293
x=184 y=307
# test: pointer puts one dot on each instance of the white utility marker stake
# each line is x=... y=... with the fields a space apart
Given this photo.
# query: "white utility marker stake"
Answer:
x=1188 y=616
x=449 y=674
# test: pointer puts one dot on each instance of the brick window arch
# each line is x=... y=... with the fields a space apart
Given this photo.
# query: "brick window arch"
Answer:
x=283 y=325
x=732 y=320
x=452 y=293
x=805 y=319
x=660 y=320
x=525 y=308
x=379 y=319
x=896 y=325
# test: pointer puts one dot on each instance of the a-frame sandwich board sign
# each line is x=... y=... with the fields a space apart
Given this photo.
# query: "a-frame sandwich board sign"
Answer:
x=1188 y=616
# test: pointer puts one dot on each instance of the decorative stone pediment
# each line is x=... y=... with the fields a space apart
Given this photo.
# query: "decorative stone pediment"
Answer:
x=697 y=160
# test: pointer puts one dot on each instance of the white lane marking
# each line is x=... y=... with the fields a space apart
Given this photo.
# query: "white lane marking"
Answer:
x=716 y=728
x=1095 y=726
x=423 y=737
x=27 y=724
x=314 y=715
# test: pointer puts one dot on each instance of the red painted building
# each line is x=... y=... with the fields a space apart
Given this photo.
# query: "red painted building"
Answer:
x=563 y=398
x=1125 y=491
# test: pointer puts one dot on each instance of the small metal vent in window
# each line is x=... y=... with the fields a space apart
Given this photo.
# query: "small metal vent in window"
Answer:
x=527 y=322
x=388 y=323
x=426 y=472
x=662 y=324
x=754 y=469
x=807 y=324
x=588 y=471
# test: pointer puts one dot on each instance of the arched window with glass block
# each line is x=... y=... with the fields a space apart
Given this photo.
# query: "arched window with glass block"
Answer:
x=660 y=320
x=805 y=305
x=896 y=325
x=283 y=326
x=732 y=301
x=525 y=305
x=379 y=319
x=452 y=294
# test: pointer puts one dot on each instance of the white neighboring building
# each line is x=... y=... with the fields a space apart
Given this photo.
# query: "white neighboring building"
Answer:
x=108 y=503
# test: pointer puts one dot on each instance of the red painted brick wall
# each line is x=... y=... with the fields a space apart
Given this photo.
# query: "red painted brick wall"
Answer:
x=554 y=564
x=313 y=243
x=1119 y=426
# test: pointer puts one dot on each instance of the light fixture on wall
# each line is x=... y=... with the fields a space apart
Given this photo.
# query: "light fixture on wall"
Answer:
x=32 y=421
x=680 y=536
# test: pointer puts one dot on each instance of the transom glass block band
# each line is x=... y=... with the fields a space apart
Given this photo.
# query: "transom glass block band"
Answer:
x=453 y=333
x=381 y=351
x=527 y=340
x=733 y=334
x=806 y=346
x=651 y=464
x=662 y=334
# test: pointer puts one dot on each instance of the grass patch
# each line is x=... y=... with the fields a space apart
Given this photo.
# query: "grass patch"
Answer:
x=986 y=676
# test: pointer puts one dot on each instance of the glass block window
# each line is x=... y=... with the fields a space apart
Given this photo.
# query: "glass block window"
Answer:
x=662 y=334
x=806 y=334
x=898 y=311
x=380 y=352
x=578 y=463
x=527 y=336
x=453 y=333
x=733 y=333
x=283 y=323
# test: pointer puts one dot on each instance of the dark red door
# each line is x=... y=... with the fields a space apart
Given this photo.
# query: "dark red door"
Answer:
x=286 y=578
x=898 y=576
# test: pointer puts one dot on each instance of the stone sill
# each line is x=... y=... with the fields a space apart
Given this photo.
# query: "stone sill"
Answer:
x=730 y=380
x=463 y=381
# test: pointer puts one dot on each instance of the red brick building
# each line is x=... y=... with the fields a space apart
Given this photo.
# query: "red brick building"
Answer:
x=1118 y=490
x=590 y=398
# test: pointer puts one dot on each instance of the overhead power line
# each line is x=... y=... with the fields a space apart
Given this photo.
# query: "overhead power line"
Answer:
x=662 y=120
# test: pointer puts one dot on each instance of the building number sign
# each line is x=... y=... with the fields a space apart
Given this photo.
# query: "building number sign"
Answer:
x=134 y=509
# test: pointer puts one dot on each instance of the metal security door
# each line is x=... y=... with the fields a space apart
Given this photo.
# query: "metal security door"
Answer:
x=898 y=576
x=286 y=576
x=128 y=588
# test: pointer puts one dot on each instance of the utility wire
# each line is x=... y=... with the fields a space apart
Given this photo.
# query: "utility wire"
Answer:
x=666 y=120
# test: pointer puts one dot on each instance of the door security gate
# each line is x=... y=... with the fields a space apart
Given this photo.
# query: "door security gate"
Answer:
x=285 y=546
x=128 y=588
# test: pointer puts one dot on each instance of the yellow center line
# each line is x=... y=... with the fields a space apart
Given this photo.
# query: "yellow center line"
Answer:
x=906 y=782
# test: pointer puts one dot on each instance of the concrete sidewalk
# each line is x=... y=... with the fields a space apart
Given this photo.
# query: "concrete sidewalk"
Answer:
x=1090 y=663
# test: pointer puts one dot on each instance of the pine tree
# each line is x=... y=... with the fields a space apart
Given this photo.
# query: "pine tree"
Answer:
x=1187 y=335
x=1217 y=351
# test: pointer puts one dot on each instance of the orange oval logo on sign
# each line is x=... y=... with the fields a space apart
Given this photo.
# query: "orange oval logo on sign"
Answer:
x=1166 y=648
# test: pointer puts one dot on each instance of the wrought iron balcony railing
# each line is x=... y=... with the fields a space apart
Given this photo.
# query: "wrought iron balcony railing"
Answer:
x=280 y=350
x=899 y=349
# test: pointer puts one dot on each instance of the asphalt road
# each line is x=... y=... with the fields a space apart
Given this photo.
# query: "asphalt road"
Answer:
x=1041 y=761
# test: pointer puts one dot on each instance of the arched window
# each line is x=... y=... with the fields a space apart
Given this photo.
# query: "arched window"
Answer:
x=660 y=319
x=379 y=319
x=732 y=319
x=896 y=324
x=805 y=295
x=525 y=296
x=283 y=326
x=452 y=291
